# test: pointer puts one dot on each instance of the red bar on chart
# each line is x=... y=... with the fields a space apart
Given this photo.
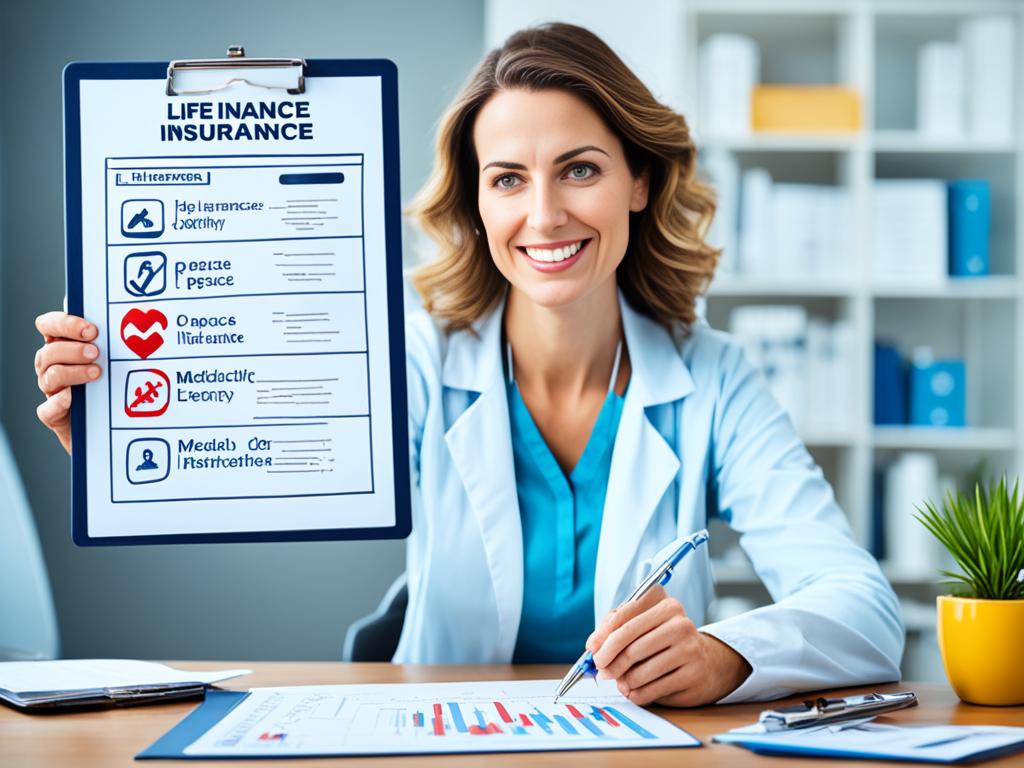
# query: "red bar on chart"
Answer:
x=608 y=718
x=574 y=712
x=502 y=712
x=476 y=730
x=525 y=720
x=438 y=721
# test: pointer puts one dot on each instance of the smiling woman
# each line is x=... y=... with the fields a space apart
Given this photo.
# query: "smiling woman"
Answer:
x=571 y=420
x=558 y=83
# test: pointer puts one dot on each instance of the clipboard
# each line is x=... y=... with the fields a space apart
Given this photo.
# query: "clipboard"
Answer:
x=308 y=439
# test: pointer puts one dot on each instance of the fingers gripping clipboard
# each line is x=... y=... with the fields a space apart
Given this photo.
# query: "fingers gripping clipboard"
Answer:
x=233 y=229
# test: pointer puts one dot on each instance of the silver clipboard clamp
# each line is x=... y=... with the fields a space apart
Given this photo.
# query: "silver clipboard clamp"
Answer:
x=822 y=711
x=236 y=59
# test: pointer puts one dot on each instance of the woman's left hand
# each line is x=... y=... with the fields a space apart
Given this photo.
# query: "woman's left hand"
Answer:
x=654 y=651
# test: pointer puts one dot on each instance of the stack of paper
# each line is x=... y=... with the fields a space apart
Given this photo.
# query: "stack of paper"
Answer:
x=811 y=231
x=97 y=682
x=807 y=363
x=909 y=235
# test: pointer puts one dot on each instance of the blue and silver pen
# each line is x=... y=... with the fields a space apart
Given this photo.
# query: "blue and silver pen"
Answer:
x=584 y=666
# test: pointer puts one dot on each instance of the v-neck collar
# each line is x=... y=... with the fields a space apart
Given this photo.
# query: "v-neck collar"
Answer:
x=599 y=442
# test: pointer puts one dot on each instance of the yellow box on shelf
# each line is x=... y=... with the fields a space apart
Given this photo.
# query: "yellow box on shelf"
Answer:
x=805 y=109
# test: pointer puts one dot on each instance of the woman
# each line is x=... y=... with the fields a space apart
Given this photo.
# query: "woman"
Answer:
x=570 y=418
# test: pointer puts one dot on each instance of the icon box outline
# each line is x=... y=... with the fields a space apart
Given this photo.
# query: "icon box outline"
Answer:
x=156 y=231
x=128 y=463
x=137 y=254
x=127 y=387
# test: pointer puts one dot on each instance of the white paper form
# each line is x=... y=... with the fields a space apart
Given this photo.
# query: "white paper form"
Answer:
x=416 y=718
x=89 y=674
x=234 y=256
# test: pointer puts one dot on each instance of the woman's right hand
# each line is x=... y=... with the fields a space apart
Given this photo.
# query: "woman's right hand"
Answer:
x=66 y=358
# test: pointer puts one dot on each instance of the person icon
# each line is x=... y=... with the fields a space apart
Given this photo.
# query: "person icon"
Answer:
x=144 y=455
x=147 y=461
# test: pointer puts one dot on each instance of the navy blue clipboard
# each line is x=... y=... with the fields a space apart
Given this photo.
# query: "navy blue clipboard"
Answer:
x=211 y=711
x=74 y=74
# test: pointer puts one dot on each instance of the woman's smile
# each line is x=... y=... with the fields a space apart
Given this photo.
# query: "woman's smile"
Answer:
x=554 y=257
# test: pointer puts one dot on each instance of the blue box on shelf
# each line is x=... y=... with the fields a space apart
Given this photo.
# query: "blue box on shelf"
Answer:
x=890 y=385
x=937 y=393
x=969 y=211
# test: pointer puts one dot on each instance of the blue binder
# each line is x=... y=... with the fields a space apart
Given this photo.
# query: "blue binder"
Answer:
x=969 y=212
x=890 y=385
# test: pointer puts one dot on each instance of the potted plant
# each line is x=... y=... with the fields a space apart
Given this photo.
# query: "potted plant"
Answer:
x=981 y=625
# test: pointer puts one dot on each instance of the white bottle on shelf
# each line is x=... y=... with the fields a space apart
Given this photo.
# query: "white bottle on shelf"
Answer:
x=755 y=238
x=989 y=68
x=910 y=481
x=724 y=172
x=729 y=69
x=940 y=90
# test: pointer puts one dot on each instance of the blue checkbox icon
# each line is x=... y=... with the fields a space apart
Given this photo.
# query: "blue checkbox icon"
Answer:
x=145 y=273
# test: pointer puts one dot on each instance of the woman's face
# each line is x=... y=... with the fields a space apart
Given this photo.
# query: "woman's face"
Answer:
x=555 y=193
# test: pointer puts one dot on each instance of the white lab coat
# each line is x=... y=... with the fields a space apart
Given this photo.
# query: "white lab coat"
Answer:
x=700 y=434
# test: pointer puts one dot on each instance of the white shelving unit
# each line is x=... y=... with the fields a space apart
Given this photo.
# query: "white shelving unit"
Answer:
x=870 y=46
x=858 y=44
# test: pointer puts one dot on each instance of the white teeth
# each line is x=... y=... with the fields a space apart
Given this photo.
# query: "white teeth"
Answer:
x=554 y=254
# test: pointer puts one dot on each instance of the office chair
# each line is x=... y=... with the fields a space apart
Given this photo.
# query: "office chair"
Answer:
x=28 y=622
x=375 y=637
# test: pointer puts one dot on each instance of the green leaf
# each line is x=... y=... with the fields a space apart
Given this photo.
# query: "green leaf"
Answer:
x=984 y=534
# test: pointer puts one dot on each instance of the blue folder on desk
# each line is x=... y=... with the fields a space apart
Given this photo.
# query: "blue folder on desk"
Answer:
x=213 y=709
x=871 y=740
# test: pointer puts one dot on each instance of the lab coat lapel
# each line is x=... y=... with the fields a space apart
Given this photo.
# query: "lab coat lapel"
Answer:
x=643 y=463
x=480 y=443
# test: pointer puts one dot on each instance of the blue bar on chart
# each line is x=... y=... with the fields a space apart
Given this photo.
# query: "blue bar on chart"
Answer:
x=584 y=720
x=542 y=720
x=460 y=724
x=638 y=729
x=560 y=719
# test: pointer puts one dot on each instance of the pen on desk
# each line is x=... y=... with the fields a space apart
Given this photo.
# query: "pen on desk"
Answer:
x=585 y=664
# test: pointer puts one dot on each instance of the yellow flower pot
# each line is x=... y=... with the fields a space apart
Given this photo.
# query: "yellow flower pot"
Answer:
x=982 y=645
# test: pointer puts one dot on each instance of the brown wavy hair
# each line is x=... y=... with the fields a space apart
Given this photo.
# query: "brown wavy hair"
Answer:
x=667 y=262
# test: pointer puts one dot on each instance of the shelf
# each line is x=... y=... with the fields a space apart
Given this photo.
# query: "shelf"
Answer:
x=989 y=287
x=743 y=287
x=945 y=438
x=914 y=142
x=783 y=142
x=843 y=438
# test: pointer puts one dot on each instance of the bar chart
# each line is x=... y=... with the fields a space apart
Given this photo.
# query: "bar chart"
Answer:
x=489 y=718
x=415 y=718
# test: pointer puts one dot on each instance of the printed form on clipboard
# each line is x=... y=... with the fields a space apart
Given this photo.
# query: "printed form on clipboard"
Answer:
x=234 y=233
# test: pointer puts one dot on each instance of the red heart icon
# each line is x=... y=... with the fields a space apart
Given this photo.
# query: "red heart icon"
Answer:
x=140 y=341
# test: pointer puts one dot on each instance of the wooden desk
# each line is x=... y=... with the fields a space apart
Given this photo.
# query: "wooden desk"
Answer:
x=113 y=737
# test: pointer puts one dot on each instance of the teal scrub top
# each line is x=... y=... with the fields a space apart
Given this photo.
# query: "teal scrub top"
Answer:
x=561 y=520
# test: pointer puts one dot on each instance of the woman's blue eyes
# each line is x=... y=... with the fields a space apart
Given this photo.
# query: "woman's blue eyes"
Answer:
x=576 y=172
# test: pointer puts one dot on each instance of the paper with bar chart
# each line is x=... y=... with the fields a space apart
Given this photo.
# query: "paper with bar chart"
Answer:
x=417 y=718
